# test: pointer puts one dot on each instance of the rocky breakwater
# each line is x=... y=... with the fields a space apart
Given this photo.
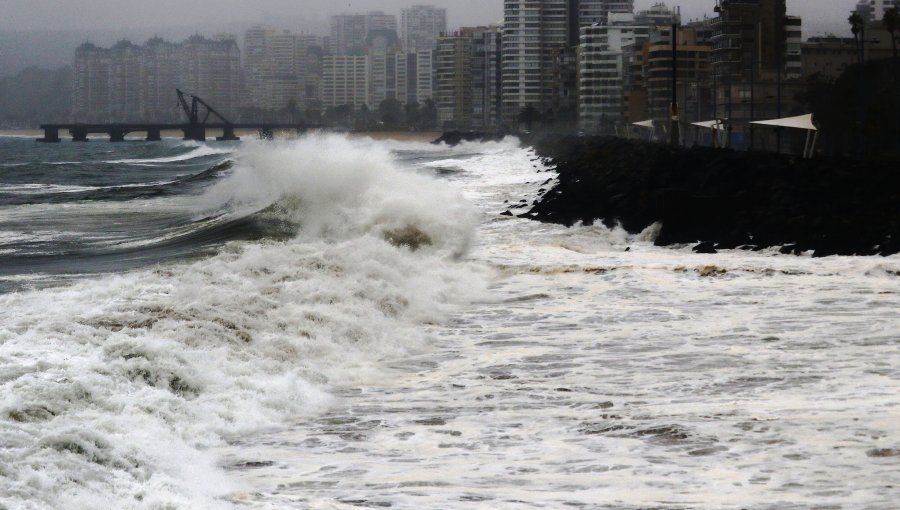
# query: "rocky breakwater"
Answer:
x=723 y=199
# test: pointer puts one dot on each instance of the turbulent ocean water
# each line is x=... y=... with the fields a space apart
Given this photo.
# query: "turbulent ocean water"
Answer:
x=348 y=323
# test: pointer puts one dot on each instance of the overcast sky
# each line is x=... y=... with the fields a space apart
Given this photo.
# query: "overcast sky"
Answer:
x=307 y=14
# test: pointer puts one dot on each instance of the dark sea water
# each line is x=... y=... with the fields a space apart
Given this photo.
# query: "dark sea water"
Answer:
x=348 y=323
x=73 y=209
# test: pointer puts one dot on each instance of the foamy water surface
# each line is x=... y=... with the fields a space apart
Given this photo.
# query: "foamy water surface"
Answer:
x=507 y=364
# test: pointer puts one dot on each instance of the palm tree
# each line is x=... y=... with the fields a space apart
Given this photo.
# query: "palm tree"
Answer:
x=857 y=26
x=891 y=22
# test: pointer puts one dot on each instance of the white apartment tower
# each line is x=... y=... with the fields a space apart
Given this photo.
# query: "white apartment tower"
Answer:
x=538 y=41
x=421 y=25
x=601 y=70
x=345 y=80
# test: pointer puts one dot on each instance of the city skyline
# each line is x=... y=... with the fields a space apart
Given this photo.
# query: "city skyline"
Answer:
x=43 y=15
x=37 y=34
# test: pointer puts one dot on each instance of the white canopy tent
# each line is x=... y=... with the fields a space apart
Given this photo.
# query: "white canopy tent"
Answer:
x=710 y=124
x=804 y=122
x=647 y=124
x=718 y=128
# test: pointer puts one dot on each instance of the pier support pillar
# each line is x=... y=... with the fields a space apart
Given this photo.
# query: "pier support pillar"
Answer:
x=266 y=133
x=116 y=135
x=154 y=135
x=51 y=135
x=228 y=135
x=79 y=135
x=196 y=133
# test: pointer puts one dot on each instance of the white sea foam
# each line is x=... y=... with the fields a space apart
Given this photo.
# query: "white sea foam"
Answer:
x=605 y=372
x=113 y=389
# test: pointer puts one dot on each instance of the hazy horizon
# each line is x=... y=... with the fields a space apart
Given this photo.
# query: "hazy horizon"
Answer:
x=43 y=33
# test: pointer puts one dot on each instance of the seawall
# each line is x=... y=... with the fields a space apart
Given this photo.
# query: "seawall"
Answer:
x=723 y=199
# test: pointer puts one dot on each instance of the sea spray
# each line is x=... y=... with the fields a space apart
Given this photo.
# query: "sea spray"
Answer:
x=113 y=388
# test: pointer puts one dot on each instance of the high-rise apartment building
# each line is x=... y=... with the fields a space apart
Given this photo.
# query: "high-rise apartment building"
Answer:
x=421 y=25
x=345 y=80
x=453 y=93
x=211 y=69
x=91 y=90
x=693 y=77
x=281 y=68
x=535 y=34
x=350 y=31
x=348 y=34
x=125 y=82
x=382 y=48
x=486 y=77
x=137 y=83
x=873 y=10
x=748 y=38
x=602 y=70
x=378 y=20
x=597 y=11
x=539 y=41
x=793 y=48
x=424 y=75
x=159 y=73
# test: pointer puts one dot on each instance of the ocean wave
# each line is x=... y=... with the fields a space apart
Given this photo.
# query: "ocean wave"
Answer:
x=113 y=389
x=196 y=152
x=23 y=194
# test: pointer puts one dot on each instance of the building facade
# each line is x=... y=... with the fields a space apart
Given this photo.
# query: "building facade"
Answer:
x=486 y=78
x=453 y=94
x=382 y=49
x=137 y=83
x=348 y=34
x=602 y=71
x=345 y=80
x=539 y=51
x=421 y=25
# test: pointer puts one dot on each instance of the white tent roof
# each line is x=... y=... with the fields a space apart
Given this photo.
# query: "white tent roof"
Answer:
x=801 y=122
x=644 y=123
x=710 y=124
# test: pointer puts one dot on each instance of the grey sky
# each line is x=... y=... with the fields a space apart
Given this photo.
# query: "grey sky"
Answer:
x=306 y=14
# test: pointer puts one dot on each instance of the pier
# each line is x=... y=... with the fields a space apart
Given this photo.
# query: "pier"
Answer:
x=197 y=132
x=194 y=129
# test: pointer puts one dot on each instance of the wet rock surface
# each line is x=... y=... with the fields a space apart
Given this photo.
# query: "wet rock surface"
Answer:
x=723 y=199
